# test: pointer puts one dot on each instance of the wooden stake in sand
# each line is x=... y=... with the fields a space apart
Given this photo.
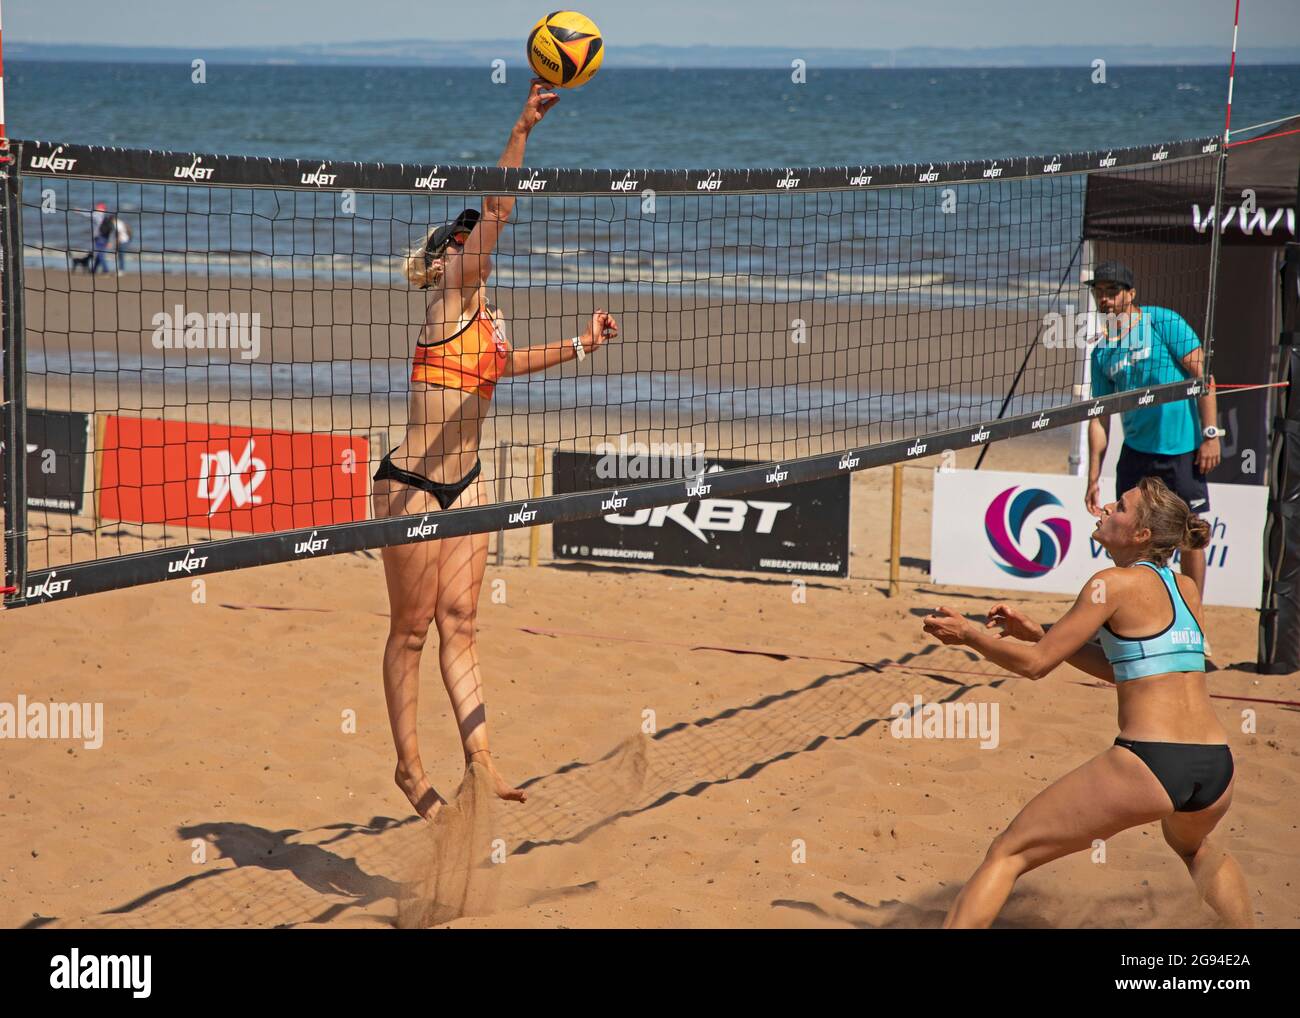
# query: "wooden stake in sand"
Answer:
x=101 y=431
x=896 y=530
x=503 y=465
x=535 y=534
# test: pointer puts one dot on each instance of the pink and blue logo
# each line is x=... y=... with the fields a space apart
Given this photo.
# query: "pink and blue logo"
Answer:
x=1011 y=535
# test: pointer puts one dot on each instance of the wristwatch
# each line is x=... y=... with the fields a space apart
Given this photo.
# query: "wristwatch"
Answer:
x=1213 y=432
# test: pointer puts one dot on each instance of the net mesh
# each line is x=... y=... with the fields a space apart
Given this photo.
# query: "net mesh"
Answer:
x=243 y=354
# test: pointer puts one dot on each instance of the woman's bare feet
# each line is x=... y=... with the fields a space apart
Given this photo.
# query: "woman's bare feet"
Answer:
x=424 y=798
x=504 y=789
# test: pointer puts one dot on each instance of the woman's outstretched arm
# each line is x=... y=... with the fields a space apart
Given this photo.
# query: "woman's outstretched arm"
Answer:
x=1014 y=623
x=1091 y=610
x=475 y=262
x=599 y=331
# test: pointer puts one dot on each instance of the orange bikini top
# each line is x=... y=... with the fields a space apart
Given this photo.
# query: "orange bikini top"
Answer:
x=471 y=360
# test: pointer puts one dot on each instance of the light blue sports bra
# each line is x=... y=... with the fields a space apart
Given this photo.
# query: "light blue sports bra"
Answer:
x=1179 y=647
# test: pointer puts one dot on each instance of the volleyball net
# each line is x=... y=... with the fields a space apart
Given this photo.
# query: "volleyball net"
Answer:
x=223 y=400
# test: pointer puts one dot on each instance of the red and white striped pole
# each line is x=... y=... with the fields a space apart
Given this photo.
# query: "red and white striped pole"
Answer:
x=1232 y=72
x=4 y=141
x=1227 y=122
x=1216 y=207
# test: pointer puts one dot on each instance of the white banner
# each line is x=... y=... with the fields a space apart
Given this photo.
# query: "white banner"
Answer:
x=1013 y=531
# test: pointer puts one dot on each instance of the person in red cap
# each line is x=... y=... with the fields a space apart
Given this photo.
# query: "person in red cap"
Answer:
x=94 y=254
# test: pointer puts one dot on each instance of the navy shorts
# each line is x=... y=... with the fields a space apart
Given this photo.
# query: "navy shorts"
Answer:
x=1178 y=472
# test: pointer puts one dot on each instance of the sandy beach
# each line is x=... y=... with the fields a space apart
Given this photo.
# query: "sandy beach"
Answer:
x=839 y=235
x=699 y=749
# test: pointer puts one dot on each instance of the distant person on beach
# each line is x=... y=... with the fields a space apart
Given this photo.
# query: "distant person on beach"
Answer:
x=121 y=241
x=1146 y=346
x=1171 y=761
x=108 y=232
x=94 y=257
x=103 y=225
x=97 y=219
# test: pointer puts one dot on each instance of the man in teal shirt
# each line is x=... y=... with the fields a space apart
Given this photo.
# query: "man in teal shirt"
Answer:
x=1178 y=442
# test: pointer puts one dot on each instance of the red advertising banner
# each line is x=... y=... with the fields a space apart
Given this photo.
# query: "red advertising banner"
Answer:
x=222 y=477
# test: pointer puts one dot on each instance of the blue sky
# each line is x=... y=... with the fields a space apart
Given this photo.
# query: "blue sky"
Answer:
x=847 y=23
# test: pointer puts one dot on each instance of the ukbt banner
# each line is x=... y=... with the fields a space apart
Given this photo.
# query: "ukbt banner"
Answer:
x=1013 y=531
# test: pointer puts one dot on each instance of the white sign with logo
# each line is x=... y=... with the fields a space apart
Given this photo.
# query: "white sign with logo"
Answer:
x=1014 y=531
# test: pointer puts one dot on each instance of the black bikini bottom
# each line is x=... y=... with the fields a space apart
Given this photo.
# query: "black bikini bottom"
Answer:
x=446 y=494
x=1193 y=775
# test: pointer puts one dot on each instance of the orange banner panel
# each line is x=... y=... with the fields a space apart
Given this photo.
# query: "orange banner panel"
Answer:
x=221 y=477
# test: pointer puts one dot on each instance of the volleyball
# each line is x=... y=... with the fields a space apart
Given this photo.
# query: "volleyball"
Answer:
x=565 y=48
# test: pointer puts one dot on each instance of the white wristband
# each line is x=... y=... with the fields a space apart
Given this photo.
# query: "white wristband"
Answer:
x=577 y=346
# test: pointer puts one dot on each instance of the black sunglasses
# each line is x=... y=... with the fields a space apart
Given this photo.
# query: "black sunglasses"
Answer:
x=459 y=239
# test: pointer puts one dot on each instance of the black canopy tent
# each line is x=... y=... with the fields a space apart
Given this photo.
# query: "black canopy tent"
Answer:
x=1159 y=226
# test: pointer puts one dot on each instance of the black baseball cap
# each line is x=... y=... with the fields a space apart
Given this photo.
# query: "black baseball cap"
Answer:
x=1112 y=272
x=441 y=237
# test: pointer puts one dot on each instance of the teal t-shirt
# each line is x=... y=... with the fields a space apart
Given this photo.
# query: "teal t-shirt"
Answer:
x=1149 y=354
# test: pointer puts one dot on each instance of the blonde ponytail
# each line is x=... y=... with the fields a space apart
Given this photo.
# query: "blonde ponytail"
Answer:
x=417 y=268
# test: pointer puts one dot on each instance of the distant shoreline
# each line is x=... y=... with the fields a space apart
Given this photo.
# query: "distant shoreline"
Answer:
x=478 y=53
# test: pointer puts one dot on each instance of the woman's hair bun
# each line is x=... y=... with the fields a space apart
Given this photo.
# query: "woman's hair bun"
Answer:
x=1196 y=534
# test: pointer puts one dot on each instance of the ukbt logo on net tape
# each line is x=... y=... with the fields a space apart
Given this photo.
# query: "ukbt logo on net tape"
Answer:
x=1026 y=541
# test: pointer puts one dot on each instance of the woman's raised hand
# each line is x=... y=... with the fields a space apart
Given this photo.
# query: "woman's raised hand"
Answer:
x=602 y=329
x=540 y=100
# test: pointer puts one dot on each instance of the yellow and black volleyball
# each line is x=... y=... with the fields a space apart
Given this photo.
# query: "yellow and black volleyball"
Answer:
x=565 y=48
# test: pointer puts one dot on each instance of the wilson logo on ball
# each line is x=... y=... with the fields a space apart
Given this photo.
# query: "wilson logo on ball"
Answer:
x=565 y=48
